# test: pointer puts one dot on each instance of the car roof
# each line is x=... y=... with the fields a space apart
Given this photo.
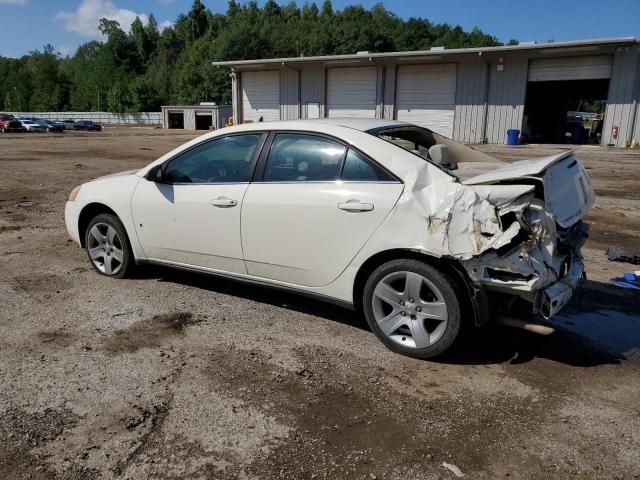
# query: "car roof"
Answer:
x=361 y=124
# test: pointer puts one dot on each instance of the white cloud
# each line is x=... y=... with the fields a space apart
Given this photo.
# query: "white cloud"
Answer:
x=165 y=24
x=13 y=2
x=85 y=19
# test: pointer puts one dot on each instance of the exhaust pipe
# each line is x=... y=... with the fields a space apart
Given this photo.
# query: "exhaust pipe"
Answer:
x=523 y=325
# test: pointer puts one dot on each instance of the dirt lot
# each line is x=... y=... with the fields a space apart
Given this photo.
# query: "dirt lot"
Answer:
x=175 y=375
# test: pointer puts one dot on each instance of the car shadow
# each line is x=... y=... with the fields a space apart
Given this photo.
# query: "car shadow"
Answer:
x=258 y=293
x=600 y=326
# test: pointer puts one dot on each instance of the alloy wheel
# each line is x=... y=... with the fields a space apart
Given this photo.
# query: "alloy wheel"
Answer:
x=105 y=248
x=410 y=309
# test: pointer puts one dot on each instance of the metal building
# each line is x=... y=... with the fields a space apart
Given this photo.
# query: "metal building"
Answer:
x=195 y=117
x=473 y=95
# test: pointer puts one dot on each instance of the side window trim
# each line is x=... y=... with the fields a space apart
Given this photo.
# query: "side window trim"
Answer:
x=252 y=164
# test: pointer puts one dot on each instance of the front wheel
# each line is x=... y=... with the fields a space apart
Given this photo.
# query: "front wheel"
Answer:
x=108 y=247
x=412 y=308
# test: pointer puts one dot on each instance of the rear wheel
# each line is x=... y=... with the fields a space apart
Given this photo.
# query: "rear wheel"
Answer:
x=108 y=247
x=412 y=308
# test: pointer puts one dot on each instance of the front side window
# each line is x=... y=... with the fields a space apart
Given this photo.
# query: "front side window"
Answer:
x=303 y=158
x=224 y=160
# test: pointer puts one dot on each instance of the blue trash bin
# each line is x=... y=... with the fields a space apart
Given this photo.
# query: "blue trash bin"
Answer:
x=512 y=136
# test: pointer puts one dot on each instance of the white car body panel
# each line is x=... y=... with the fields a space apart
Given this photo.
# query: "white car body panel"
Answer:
x=296 y=232
x=294 y=235
x=179 y=223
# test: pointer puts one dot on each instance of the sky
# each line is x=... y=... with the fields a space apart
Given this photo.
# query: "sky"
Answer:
x=26 y=25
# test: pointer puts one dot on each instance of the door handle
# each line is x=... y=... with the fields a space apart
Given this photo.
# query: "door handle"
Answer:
x=223 y=202
x=355 y=206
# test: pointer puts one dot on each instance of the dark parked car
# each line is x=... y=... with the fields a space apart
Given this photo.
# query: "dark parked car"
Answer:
x=87 y=125
x=9 y=123
x=53 y=126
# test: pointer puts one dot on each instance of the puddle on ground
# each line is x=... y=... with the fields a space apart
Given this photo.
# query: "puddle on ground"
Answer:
x=617 y=331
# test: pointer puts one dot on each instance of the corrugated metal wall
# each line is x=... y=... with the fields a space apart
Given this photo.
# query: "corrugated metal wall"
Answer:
x=289 y=94
x=142 y=118
x=506 y=97
x=189 y=118
x=623 y=92
x=471 y=91
x=313 y=80
x=479 y=88
x=389 y=92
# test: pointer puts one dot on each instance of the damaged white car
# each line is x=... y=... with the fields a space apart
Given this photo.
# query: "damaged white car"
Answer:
x=416 y=230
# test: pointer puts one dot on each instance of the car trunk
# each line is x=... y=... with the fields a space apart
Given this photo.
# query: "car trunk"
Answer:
x=567 y=190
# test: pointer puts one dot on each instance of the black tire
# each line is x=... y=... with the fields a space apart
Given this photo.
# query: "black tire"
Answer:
x=448 y=296
x=121 y=242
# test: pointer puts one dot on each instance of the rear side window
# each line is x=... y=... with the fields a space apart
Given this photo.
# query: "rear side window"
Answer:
x=359 y=169
x=303 y=158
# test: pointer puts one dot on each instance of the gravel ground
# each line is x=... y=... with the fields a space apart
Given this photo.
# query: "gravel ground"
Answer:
x=176 y=375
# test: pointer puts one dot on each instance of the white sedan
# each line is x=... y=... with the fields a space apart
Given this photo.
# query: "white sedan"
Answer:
x=30 y=126
x=420 y=233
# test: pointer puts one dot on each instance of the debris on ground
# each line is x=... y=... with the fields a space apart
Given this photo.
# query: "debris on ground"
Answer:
x=24 y=202
x=628 y=280
x=617 y=254
x=456 y=471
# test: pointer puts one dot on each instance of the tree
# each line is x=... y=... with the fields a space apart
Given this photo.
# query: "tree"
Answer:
x=146 y=68
x=118 y=99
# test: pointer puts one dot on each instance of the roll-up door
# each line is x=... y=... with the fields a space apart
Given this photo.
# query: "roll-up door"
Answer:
x=570 y=68
x=260 y=96
x=352 y=92
x=426 y=96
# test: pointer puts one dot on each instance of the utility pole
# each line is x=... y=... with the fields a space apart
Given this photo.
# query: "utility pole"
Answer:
x=18 y=95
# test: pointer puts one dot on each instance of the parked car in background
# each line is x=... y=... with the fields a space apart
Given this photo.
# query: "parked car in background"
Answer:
x=87 y=125
x=419 y=232
x=68 y=124
x=9 y=123
x=50 y=125
x=30 y=126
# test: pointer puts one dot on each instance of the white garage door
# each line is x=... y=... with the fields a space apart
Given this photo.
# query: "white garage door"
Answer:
x=260 y=96
x=426 y=96
x=570 y=68
x=351 y=92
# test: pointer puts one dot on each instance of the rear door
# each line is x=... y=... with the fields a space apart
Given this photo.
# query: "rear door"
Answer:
x=315 y=204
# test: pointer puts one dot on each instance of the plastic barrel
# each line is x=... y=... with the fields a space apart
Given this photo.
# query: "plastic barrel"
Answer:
x=512 y=136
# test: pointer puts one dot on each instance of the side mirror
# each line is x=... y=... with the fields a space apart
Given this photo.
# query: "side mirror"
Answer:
x=155 y=174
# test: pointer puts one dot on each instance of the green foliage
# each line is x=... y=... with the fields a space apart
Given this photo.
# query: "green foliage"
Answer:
x=145 y=68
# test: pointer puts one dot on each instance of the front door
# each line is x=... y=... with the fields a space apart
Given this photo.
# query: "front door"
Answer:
x=191 y=216
x=314 y=208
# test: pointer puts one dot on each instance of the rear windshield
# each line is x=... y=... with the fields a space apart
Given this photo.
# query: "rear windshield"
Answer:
x=413 y=139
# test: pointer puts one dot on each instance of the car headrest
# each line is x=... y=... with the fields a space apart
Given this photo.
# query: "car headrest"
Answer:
x=439 y=154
